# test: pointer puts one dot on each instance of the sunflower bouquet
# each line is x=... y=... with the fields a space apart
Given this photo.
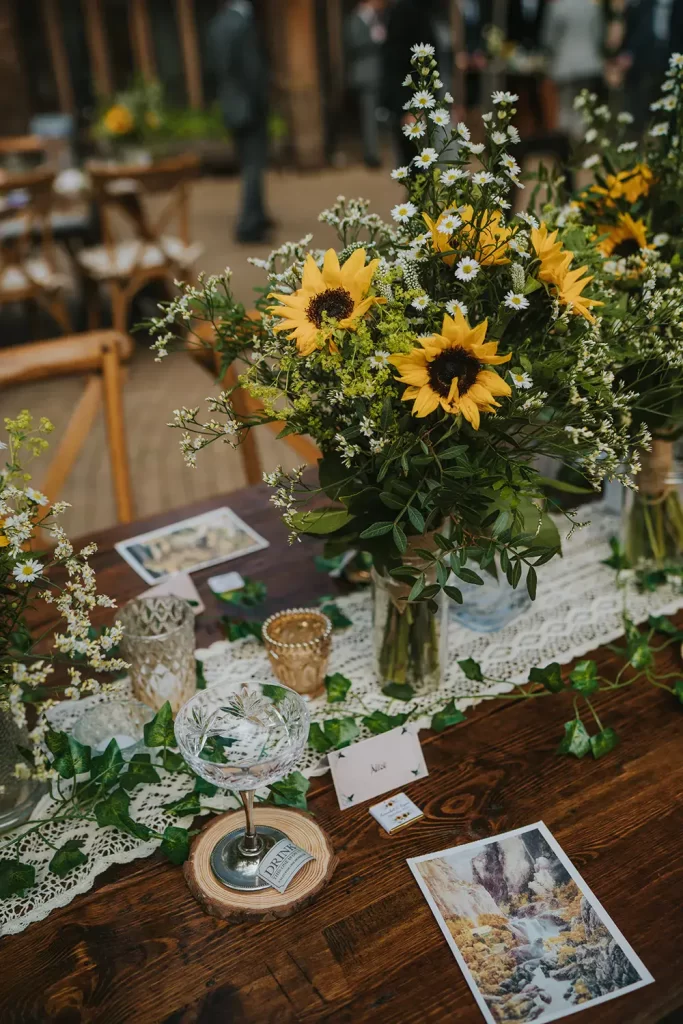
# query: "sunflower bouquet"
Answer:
x=432 y=359
x=132 y=118
x=635 y=207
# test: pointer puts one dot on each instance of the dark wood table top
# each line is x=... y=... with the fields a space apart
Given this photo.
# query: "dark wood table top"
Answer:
x=138 y=948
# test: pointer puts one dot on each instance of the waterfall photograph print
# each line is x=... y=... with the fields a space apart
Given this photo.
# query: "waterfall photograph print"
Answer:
x=530 y=937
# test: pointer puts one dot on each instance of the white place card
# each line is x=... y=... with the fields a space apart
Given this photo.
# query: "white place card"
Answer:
x=375 y=766
x=225 y=583
x=396 y=812
x=179 y=585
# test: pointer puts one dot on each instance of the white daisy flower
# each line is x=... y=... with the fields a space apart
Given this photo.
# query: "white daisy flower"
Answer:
x=513 y=134
x=423 y=99
x=504 y=97
x=379 y=359
x=447 y=98
x=661 y=239
x=423 y=50
x=521 y=380
x=498 y=138
x=603 y=111
x=626 y=147
x=440 y=117
x=474 y=147
x=408 y=80
x=662 y=128
x=529 y=219
x=415 y=130
x=487 y=117
x=516 y=245
x=509 y=163
x=676 y=60
x=513 y=300
x=515 y=180
x=466 y=269
x=501 y=202
x=28 y=571
x=403 y=212
x=438 y=84
x=463 y=131
x=453 y=174
x=591 y=135
x=420 y=301
x=448 y=224
x=399 y=173
x=668 y=86
x=591 y=161
x=624 y=117
x=426 y=157
x=482 y=178
x=454 y=307
x=610 y=266
x=37 y=496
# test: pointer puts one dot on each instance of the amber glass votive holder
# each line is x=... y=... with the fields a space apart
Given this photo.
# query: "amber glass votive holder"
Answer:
x=298 y=643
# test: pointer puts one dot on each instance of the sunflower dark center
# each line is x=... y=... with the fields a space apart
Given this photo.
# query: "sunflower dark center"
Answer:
x=453 y=362
x=336 y=302
x=629 y=247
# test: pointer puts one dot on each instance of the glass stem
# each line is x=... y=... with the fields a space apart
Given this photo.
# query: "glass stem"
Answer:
x=250 y=842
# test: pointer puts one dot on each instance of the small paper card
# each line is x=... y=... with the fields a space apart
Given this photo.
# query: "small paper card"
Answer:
x=396 y=812
x=180 y=585
x=530 y=937
x=282 y=863
x=375 y=766
x=225 y=583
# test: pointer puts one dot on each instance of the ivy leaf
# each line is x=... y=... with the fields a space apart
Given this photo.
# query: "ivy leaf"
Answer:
x=472 y=669
x=398 y=691
x=603 y=742
x=172 y=761
x=199 y=669
x=238 y=629
x=661 y=624
x=678 y=689
x=379 y=722
x=332 y=734
x=15 y=878
x=212 y=750
x=105 y=767
x=70 y=757
x=204 y=787
x=641 y=655
x=274 y=691
x=576 y=740
x=176 y=844
x=114 y=810
x=550 y=677
x=159 y=732
x=291 y=791
x=584 y=678
x=617 y=560
x=334 y=614
x=337 y=686
x=446 y=717
x=252 y=594
x=68 y=857
x=139 y=771
x=185 y=806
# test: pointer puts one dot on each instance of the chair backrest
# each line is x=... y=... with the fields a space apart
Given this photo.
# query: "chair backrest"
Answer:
x=124 y=190
x=19 y=152
x=26 y=202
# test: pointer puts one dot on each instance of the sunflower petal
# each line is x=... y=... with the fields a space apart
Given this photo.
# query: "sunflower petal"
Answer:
x=470 y=411
x=493 y=383
x=331 y=271
x=426 y=402
x=312 y=280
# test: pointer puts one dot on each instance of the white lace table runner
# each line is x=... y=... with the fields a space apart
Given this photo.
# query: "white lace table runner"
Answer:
x=578 y=608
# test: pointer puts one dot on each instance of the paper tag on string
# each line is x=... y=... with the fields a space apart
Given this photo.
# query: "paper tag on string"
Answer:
x=282 y=863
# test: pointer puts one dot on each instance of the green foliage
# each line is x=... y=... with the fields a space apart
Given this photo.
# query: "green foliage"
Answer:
x=176 y=844
x=584 y=678
x=291 y=791
x=398 y=691
x=70 y=758
x=379 y=722
x=576 y=740
x=159 y=732
x=139 y=771
x=105 y=767
x=332 y=734
x=68 y=857
x=550 y=677
x=252 y=594
x=337 y=686
x=603 y=742
x=114 y=810
x=15 y=878
x=472 y=669
x=184 y=807
x=449 y=715
x=237 y=629
x=334 y=613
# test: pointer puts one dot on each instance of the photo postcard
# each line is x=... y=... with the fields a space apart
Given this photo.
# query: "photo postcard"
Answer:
x=189 y=545
x=530 y=937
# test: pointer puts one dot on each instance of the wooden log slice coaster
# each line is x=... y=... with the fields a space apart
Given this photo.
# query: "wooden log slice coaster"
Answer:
x=265 y=904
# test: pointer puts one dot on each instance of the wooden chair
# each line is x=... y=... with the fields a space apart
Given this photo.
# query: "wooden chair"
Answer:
x=28 y=268
x=18 y=151
x=202 y=348
x=98 y=357
x=127 y=264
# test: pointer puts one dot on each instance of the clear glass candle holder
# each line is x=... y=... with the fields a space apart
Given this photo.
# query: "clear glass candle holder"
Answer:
x=120 y=720
x=298 y=643
x=158 y=643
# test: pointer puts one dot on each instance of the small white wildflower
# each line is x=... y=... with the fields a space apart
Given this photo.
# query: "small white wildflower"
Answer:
x=660 y=239
x=399 y=173
x=662 y=128
x=591 y=135
x=37 y=496
x=504 y=97
x=521 y=380
x=28 y=571
x=379 y=359
x=453 y=174
x=499 y=138
x=423 y=99
x=466 y=269
x=487 y=118
x=529 y=219
x=454 y=306
x=482 y=178
x=447 y=98
x=513 y=134
x=449 y=223
x=626 y=147
x=415 y=130
x=423 y=50
x=408 y=80
x=403 y=212
x=475 y=147
x=420 y=301
x=463 y=131
x=513 y=300
x=510 y=164
x=440 y=117
x=676 y=60
x=624 y=117
x=591 y=161
x=426 y=157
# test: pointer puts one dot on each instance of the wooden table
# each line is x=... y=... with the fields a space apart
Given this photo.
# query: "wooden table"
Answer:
x=138 y=948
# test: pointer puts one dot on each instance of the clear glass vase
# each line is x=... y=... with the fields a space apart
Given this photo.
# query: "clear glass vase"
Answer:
x=410 y=641
x=158 y=643
x=18 y=797
x=489 y=607
x=652 y=526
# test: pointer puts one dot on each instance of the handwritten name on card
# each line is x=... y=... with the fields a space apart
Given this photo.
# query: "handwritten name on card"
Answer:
x=367 y=769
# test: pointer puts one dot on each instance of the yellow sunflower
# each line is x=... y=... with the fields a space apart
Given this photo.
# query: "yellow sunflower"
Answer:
x=340 y=292
x=448 y=370
x=629 y=185
x=555 y=270
x=625 y=238
x=486 y=241
x=118 y=120
x=4 y=539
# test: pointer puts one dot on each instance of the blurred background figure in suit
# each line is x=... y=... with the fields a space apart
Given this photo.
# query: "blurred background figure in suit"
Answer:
x=241 y=71
x=365 y=33
x=651 y=26
x=572 y=36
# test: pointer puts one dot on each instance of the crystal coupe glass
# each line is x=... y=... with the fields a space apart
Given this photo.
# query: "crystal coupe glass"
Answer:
x=243 y=736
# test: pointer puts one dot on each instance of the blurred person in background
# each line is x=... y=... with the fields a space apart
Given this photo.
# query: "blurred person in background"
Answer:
x=365 y=33
x=409 y=22
x=653 y=30
x=572 y=35
x=239 y=63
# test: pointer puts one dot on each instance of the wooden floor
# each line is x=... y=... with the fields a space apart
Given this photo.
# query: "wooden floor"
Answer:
x=139 y=949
